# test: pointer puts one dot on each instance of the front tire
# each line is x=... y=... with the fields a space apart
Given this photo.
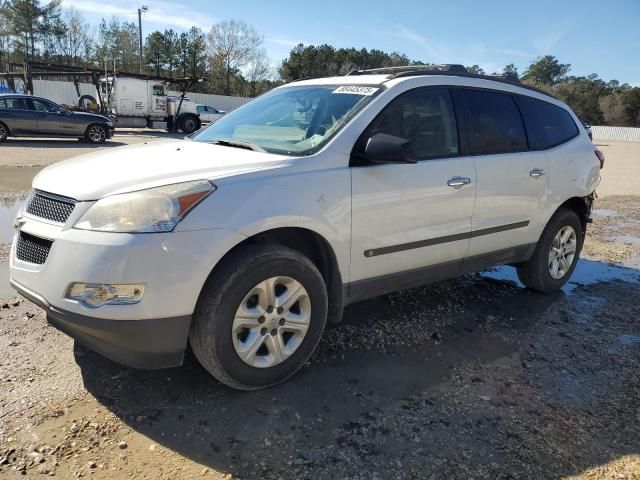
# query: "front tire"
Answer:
x=96 y=134
x=556 y=255
x=260 y=316
x=189 y=123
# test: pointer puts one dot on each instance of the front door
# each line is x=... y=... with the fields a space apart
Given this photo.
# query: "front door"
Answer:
x=157 y=101
x=409 y=216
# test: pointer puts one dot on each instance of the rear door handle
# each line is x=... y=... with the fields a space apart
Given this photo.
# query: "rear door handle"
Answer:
x=457 y=182
x=537 y=172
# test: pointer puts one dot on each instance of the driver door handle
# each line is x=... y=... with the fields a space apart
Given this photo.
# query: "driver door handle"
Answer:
x=537 y=172
x=457 y=182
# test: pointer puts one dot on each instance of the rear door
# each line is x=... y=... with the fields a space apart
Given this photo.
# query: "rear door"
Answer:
x=512 y=181
x=19 y=117
x=409 y=216
x=53 y=119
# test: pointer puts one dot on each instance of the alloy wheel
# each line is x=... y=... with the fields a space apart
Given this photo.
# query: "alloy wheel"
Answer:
x=271 y=322
x=562 y=253
x=97 y=134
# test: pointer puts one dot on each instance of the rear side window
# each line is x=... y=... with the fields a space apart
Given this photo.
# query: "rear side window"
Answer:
x=16 y=104
x=494 y=123
x=3 y=104
x=551 y=125
x=426 y=118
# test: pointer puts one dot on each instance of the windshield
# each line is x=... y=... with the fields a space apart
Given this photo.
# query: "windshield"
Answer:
x=291 y=120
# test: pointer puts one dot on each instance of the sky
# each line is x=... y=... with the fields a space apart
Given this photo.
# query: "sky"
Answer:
x=600 y=37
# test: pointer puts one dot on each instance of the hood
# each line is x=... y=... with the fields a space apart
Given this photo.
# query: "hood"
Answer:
x=136 y=167
x=89 y=116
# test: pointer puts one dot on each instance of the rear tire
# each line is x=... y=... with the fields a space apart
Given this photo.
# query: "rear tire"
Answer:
x=556 y=255
x=96 y=133
x=249 y=338
x=4 y=132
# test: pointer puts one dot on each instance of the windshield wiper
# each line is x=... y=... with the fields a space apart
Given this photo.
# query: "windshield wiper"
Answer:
x=239 y=144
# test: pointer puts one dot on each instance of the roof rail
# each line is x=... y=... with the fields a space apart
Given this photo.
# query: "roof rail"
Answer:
x=454 y=70
x=411 y=69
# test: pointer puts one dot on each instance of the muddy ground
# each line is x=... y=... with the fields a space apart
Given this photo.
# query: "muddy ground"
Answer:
x=475 y=377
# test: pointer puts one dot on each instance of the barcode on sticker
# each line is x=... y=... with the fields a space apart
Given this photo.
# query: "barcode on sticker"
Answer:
x=356 y=90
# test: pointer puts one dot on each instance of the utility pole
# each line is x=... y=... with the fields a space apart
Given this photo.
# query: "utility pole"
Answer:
x=144 y=8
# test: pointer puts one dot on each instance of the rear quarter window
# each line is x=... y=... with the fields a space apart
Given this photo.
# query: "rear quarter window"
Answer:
x=551 y=124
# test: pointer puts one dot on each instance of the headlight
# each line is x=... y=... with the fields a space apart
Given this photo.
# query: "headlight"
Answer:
x=145 y=211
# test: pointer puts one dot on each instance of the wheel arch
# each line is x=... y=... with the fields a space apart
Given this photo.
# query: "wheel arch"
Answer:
x=311 y=244
x=582 y=207
x=89 y=125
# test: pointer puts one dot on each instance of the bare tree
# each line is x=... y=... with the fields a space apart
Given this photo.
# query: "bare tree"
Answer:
x=257 y=70
x=76 y=43
x=232 y=45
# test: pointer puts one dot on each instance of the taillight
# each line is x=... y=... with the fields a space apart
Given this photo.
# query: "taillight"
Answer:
x=600 y=156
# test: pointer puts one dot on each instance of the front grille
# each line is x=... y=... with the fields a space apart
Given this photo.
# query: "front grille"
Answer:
x=50 y=208
x=32 y=249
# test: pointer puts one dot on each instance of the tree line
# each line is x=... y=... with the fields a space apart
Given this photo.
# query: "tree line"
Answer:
x=232 y=58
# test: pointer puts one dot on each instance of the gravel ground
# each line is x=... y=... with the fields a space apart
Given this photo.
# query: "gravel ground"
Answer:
x=4 y=251
x=471 y=378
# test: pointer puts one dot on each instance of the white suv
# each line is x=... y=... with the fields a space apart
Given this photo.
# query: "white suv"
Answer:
x=247 y=239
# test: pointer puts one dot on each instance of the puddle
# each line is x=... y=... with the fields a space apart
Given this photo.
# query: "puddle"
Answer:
x=629 y=339
x=587 y=272
x=603 y=212
x=17 y=179
x=8 y=211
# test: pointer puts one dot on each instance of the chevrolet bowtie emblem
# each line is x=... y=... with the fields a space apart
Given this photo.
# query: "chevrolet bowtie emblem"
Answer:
x=19 y=222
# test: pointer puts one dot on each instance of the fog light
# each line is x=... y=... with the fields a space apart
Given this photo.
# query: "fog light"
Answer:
x=95 y=295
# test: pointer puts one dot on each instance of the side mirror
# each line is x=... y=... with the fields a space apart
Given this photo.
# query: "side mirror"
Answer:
x=384 y=148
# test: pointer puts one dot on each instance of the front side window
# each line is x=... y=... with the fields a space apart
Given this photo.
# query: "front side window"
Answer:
x=294 y=120
x=426 y=118
x=157 y=90
x=3 y=104
x=551 y=124
x=494 y=124
x=42 y=106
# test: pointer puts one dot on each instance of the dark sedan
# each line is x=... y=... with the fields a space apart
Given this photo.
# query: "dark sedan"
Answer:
x=27 y=116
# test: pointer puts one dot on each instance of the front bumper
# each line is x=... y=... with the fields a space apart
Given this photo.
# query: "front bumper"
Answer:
x=155 y=343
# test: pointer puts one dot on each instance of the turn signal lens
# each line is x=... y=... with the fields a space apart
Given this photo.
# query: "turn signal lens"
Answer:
x=600 y=156
x=95 y=295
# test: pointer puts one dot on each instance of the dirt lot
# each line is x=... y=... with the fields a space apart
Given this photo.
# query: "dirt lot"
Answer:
x=470 y=378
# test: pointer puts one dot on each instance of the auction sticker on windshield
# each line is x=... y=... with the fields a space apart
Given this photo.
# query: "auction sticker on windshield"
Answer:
x=356 y=90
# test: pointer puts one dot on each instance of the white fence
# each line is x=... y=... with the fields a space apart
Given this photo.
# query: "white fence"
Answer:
x=221 y=102
x=65 y=92
x=617 y=134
